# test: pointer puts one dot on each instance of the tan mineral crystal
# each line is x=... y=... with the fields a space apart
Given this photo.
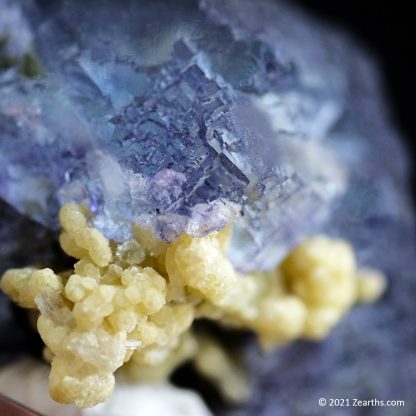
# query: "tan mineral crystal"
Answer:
x=136 y=301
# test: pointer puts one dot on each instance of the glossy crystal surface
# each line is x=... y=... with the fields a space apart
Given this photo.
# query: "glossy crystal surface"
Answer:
x=180 y=126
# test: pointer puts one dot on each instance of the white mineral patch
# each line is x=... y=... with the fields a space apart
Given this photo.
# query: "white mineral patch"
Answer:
x=27 y=382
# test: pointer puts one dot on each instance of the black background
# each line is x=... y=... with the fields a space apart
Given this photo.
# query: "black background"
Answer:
x=388 y=29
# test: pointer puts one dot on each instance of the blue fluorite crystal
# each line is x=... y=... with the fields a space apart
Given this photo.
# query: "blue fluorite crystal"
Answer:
x=181 y=129
x=187 y=120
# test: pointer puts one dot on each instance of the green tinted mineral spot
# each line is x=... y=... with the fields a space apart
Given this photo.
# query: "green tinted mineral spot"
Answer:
x=30 y=66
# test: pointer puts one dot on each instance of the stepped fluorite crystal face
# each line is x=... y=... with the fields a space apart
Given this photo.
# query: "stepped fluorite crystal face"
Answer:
x=173 y=121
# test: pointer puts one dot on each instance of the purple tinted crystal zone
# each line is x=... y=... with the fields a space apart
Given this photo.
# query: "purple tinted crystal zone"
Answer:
x=172 y=128
x=173 y=139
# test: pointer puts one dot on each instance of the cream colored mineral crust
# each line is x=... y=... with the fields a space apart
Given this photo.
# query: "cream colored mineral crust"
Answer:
x=135 y=302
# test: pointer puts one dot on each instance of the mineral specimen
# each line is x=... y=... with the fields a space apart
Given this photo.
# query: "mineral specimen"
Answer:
x=152 y=126
x=185 y=139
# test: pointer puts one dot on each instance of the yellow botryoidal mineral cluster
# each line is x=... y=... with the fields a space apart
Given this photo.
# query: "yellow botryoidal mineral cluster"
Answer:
x=136 y=301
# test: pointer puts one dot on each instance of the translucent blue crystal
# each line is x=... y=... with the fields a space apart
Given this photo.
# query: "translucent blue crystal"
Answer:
x=181 y=129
